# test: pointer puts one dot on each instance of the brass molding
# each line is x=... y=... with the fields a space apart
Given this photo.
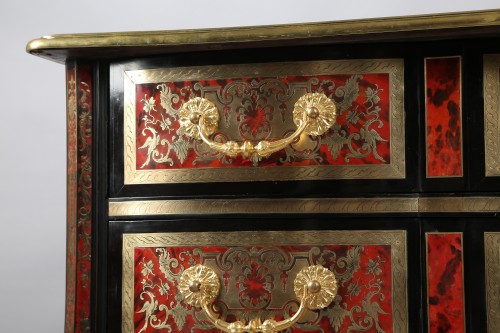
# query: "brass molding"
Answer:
x=492 y=267
x=491 y=82
x=51 y=46
x=304 y=206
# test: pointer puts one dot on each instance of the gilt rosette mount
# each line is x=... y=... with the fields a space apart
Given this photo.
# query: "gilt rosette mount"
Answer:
x=314 y=286
x=313 y=114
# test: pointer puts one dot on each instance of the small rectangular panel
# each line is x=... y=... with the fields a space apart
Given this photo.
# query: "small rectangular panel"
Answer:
x=492 y=258
x=445 y=288
x=257 y=272
x=255 y=103
x=491 y=82
x=443 y=112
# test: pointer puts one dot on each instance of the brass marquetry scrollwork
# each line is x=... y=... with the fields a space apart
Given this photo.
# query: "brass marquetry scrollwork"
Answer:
x=313 y=114
x=315 y=287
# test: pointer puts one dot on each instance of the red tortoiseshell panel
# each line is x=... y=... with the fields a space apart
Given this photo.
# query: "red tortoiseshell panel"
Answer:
x=258 y=281
x=79 y=212
x=260 y=108
x=443 y=117
x=445 y=287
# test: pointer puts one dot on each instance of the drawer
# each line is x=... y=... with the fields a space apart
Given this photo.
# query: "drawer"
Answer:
x=256 y=271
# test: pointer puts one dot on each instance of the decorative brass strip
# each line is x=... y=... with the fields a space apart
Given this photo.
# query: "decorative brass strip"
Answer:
x=459 y=205
x=304 y=206
x=492 y=259
x=396 y=168
x=491 y=82
x=396 y=239
x=48 y=46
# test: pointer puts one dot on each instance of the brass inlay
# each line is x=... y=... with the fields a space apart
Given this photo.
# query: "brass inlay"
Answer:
x=395 y=239
x=48 y=46
x=491 y=82
x=300 y=206
x=315 y=287
x=394 y=169
x=492 y=259
x=313 y=114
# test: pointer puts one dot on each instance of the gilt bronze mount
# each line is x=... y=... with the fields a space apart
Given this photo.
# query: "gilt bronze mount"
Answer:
x=315 y=287
x=313 y=114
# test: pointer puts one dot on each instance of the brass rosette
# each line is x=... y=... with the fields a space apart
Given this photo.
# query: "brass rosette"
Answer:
x=317 y=110
x=199 y=114
x=199 y=284
x=316 y=286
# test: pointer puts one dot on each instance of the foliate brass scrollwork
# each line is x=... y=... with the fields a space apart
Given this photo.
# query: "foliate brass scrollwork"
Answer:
x=314 y=286
x=313 y=114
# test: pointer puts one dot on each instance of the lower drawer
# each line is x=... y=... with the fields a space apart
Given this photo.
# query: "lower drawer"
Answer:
x=256 y=271
x=393 y=274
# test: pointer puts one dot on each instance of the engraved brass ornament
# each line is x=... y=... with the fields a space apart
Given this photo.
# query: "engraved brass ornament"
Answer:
x=313 y=114
x=315 y=286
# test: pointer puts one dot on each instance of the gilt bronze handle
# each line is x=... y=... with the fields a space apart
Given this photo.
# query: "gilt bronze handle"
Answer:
x=313 y=114
x=314 y=286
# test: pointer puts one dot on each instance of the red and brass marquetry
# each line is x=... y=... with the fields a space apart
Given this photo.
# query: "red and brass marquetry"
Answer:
x=256 y=103
x=79 y=197
x=257 y=272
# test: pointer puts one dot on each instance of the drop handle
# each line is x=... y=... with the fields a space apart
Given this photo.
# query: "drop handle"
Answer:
x=313 y=114
x=315 y=287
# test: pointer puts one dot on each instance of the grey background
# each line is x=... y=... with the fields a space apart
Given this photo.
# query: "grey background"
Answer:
x=32 y=121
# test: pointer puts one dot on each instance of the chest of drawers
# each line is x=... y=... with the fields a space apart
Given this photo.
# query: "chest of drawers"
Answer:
x=397 y=195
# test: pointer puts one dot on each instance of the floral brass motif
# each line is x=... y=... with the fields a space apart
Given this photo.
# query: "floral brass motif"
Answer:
x=313 y=114
x=315 y=286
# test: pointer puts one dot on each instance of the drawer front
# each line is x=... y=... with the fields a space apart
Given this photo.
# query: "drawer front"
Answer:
x=257 y=270
x=255 y=102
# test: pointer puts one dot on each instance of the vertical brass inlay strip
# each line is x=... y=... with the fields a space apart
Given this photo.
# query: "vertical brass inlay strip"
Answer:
x=492 y=267
x=491 y=86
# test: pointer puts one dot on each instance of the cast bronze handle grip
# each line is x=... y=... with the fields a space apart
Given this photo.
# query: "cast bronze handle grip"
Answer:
x=313 y=114
x=314 y=286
